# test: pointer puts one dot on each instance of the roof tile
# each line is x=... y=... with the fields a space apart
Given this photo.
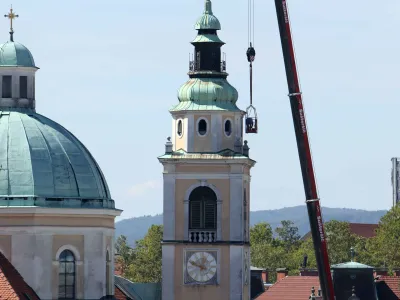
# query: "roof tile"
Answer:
x=291 y=288
x=12 y=285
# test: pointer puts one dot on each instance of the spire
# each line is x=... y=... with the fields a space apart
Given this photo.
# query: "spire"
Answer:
x=352 y=254
x=11 y=16
x=208 y=7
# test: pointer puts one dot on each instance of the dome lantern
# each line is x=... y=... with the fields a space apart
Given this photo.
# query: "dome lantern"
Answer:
x=17 y=73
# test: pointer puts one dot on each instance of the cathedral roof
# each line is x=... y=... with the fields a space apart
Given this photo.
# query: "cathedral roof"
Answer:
x=12 y=285
x=43 y=164
x=208 y=20
x=16 y=55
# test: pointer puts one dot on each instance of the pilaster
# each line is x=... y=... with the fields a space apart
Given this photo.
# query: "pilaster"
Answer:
x=169 y=207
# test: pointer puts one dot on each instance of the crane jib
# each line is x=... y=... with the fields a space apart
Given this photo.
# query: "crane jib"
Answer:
x=300 y=127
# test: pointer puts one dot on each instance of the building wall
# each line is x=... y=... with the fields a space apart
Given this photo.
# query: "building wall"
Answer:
x=229 y=181
x=34 y=251
x=214 y=140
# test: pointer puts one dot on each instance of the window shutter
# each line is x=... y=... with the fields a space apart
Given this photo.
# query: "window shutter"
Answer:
x=210 y=215
x=195 y=214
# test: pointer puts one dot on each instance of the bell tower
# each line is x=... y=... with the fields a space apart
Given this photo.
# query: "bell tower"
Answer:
x=206 y=170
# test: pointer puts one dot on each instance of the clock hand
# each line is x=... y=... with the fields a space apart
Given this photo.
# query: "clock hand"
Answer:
x=197 y=265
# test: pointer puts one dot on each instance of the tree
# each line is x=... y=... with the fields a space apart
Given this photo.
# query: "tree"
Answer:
x=261 y=233
x=340 y=240
x=306 y=248
x=146 y=265
x=386 y=244
x=125 y=253
x=288 y=235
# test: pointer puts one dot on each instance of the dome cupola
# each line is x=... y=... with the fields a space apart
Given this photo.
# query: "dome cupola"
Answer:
x=17 y=73
x=14 y=54
x=208 y=20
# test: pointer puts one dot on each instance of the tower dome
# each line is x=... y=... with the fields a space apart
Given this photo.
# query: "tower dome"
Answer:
x=15 y=54
x=208 y=20
x=43 y=164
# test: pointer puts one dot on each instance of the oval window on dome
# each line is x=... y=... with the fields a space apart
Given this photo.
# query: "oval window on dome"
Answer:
x=228 y=127
x=179 y=130
x=202 y=127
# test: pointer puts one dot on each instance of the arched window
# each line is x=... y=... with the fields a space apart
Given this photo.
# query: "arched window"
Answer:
x=203 y=209
x=228 y=127
x=180 y=128
x=66 y=275
x=202 y=127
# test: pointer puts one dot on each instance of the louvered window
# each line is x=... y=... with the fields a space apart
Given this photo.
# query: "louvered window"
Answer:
x=203 y=209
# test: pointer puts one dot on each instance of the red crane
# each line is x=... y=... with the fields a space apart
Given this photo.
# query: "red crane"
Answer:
x=303 y=145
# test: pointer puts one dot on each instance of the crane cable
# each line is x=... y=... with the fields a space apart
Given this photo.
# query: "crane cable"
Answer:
x=251 y=53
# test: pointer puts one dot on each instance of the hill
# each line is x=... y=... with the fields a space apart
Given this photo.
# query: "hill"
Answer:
x=136 y=228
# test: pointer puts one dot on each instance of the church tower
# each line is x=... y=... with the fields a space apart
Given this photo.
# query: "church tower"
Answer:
x=206 y=169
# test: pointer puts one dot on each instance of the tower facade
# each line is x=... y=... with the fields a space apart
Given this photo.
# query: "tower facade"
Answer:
x=206 y=167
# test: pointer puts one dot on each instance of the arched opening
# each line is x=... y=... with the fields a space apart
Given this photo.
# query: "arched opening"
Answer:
x=66 y=275
x=180 y=128
x=202 y=127
x=203 y=209
x=228 y=127
x=108 y=266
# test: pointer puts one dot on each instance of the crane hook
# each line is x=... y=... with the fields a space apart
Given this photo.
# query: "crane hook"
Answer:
x=251 y=54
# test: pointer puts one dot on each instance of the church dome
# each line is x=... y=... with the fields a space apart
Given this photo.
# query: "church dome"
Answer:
x=208 y=20
x=16 y=55
x=43 y=164
x=207 y=93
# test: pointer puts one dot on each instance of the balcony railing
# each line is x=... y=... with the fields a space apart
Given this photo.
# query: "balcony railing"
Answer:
x=193 y=66
x=202 y=236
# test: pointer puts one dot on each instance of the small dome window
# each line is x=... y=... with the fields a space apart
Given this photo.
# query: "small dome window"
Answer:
x=202 y=127
x=228 y=127
x=179 y=130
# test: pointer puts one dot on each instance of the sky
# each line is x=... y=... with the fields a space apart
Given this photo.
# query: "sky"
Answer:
x=109 y=72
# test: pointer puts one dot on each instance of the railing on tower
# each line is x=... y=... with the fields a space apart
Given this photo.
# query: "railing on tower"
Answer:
x=194 y=65
x=202 y=236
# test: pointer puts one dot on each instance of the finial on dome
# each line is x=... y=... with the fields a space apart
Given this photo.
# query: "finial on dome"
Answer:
x=208 y=7
x=11 y=16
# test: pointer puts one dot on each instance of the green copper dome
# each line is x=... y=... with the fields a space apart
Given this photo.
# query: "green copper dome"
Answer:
x=16 y=55
x=207 y=94
x=208 y=20
x=43 y=164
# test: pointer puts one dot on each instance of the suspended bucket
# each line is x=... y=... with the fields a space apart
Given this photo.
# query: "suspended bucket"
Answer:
x=251 y=120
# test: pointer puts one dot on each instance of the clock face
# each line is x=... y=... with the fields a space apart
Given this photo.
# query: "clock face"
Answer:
x=201 y=266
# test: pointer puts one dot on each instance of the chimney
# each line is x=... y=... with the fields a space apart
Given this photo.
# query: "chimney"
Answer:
x=265 y=276
x=308 y=272
x=381 y=272
x=396 y=272
x=281 y=273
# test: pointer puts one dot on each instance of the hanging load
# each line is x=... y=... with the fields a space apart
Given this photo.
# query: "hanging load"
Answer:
x=251 y=113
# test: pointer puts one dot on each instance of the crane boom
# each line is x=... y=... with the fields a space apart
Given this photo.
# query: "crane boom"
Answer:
x=307 y=170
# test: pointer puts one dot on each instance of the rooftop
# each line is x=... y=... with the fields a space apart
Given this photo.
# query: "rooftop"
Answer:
x=14 y=54
x=12 y=285
x=43 y=164
x=291 y=288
